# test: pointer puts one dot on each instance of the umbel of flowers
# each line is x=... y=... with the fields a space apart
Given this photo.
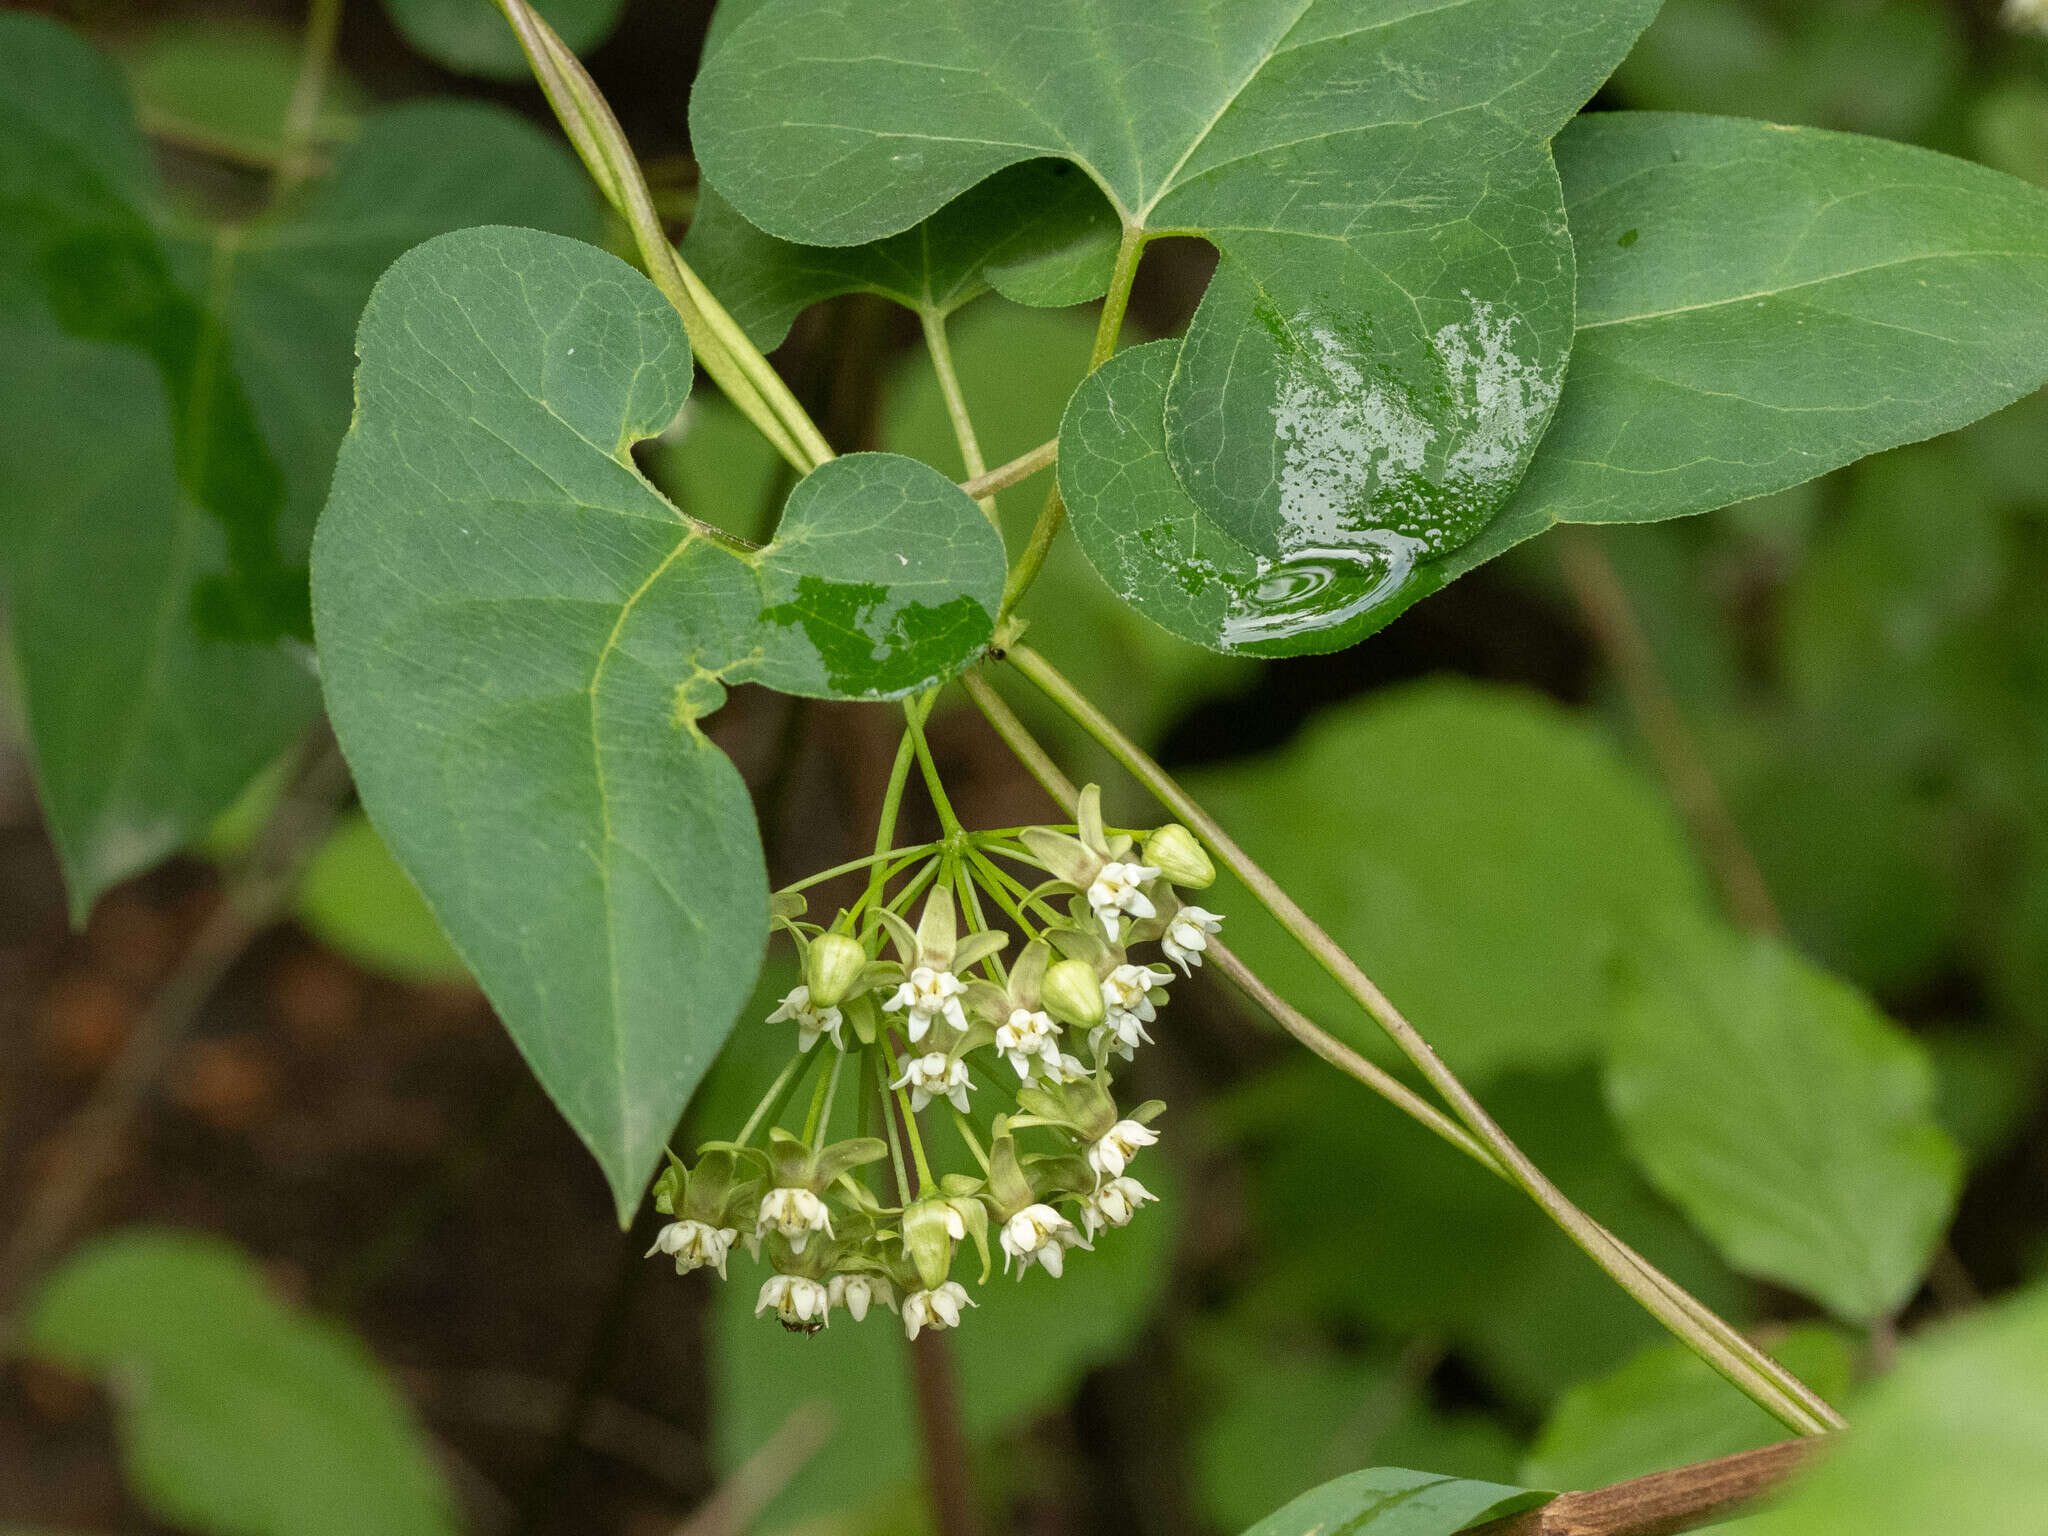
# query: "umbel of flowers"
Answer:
x=928 y=1042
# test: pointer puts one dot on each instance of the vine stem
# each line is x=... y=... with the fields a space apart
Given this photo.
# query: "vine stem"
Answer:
x=1604 y=602
x=733 y=361
x=934 y=326
x=1107 y=329
x=302 y=112
x=1748 y=1368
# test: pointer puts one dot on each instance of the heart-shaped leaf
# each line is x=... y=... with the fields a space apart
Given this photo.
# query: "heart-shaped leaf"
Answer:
x=1371 y=368
x=1756 y=305
x=1038 y=233
x=519 y=637
x=171 y=398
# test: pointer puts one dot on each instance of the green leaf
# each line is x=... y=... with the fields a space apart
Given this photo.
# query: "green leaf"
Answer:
x=1760 y=304
x=1954 y=1440
x=229 y=81
x=237 y=1413
x=1665 y=1407
x=1392 y=1501
x=1369 y=371
x=519 y=638
x=1040 y=233
x=1016 y=368
x=1777 y=1108
x=171 y=398
x=354 y=897
x=1498 y=857
x=472 y=37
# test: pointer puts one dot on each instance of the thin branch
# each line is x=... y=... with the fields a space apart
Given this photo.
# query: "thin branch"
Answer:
x=739 y=1500
x=1022 y=467
x=1664 y=1503
x=256 y=895
x=1758 y=1376
x=302 y=113
x=1628 y=653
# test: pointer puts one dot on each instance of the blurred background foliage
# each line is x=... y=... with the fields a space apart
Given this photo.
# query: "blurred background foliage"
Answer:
x=1539 y=808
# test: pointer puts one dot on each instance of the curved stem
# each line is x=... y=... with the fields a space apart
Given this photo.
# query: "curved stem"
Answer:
x=1107 y=329
x=880 y=856
x=1715 y=1341
x=777 y=1095
x=302 y=113
x=949 y=822
x=892 y=801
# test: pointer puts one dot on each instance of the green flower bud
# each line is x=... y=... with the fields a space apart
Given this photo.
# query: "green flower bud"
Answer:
x=930 y=1229
x=1072 y=993
x=830 y=967
x=1174 y=852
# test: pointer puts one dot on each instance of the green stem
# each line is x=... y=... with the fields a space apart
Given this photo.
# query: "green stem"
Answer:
x=1107 y=328
x=1022 y=467
x=878 y=857
x=1721 y=1346
x=948 y=822
x=892 y=802
x=820 y=1116
x=966 y=1130
x=935 y=342
x=889 y=1121
x=777 y=1092
x=993 y=880
x=734 y=362
x=302 y=112
x=925 y=1181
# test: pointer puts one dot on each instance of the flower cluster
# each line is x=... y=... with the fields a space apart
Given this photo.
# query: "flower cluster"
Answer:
x=928 y=1024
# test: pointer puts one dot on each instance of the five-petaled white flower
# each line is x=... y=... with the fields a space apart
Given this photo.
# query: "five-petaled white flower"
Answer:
x=1028 y=1033
x=1064 y=1068
x=1188 y=935
x=695 y=1245
x=797 y=1302
x=1117 y=888
x=935 y=1075
x=857 y=1292
x=1119 y=1144
x=1127 y=1009
x=1120 y=1034
x=1114 y=1204
x=929 y=994
x=1038 y=1232
x=935 y=1309
x=796 y=1214
x=810 y=1022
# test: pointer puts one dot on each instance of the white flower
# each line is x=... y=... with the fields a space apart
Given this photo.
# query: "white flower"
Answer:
x=810 y=1022
x=1188 y=935
x=797 y=1302
x=929 y=994
x=1120 y=1033
x=1064 y=1068
x=857 y=1292
x=2027 y=15
x=1114 y=1204
x=1026 y=1035
x=1128 y=989
x=796 y=1214
x=1119 y=888
x=934 y=1075
x=1119 y=1144
x=1038 y=1232
x=695 y=1245
x=935 y=1309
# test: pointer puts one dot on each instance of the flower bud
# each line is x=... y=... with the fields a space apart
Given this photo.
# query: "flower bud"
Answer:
x=930 y=1229
x=831 y=966
x=1173 y=850
x=1072 y=993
